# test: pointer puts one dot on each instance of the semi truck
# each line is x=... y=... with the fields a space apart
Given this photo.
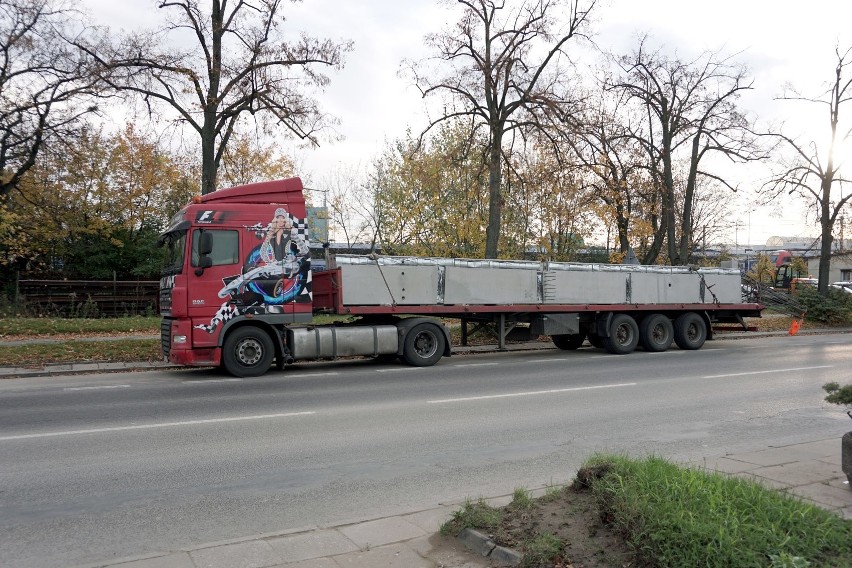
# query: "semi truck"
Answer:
x=238 y=291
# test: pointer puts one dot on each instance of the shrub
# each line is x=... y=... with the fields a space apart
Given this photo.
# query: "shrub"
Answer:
x=839 y=395
x=833 y=309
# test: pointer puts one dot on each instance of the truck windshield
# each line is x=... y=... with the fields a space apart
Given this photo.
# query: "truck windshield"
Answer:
x=175 y=243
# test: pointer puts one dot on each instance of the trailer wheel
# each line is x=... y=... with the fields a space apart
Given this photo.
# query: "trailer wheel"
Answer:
x=690 y=332
x=596 y=340
x=424 y=345
x=623 y=335
x=247 y=352
x=568 y=341
x=656 y=333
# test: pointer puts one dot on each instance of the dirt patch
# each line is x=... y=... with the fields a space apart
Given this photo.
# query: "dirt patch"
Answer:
x=562 y=529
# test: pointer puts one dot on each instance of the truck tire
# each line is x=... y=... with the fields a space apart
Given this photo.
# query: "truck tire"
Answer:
x=596 y=340
x=623 y=335
x=423 y=345
x=247 y=352
x=690 y=331
x=568 y=341
x=656 y=333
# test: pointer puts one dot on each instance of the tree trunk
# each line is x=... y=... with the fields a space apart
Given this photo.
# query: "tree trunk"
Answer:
x=495 y=197
x=211 y=104
x=688 y=197
x=623 y=225
x=656 y=245
x=668 y=212
x=208 y=161
x=826 y=226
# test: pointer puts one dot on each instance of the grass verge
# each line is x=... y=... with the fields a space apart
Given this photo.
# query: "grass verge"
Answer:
x=128 y=350
x=61 y=326
x=673 y=516
x=652 y=513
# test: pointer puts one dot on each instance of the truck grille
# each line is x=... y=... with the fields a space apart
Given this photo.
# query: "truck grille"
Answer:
x=166 y=337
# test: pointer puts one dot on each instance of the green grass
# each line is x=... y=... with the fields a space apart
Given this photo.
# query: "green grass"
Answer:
x=56 y=326
x=473 y=515
x=674 y=516
x=541 y=550
x=521 y=498
x=129 y=350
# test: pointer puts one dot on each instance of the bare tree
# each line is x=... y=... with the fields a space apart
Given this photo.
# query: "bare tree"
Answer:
x=240 y=65
x=813 y=173
x=616 y=168
x=692 y=114
x=500 y=65
x=347 y=204
x=44 y=82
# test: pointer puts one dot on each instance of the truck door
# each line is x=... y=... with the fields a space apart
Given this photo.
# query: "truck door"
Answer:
x=215 y=259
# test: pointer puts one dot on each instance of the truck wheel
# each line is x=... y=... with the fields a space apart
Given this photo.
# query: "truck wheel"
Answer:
x=424 y=345
x=690 y=332
x=656 y=333
x=596 y=340
x=247 y=352
x=568 y=341
x=623 y=335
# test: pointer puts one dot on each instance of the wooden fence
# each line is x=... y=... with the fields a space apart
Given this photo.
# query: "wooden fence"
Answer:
x=87 y=298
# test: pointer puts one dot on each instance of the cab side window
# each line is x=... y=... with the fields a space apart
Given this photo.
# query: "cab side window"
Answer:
x=225 y=249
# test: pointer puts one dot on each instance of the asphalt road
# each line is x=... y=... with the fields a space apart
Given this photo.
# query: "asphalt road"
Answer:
x=96 y=467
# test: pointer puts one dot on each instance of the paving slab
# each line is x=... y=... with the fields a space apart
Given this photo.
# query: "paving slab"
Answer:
x=251 y=554
x=176 y=560
x=787 y=454
x=432 y=519
x=381 y=531
x=824 y=494
x=315 y=544
x=800 y=472
x=446 y=552
x=396 y=555
x=312 y=563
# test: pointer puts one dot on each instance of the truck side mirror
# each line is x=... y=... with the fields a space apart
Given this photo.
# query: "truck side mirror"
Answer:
x=206 y=245
x=203 y=262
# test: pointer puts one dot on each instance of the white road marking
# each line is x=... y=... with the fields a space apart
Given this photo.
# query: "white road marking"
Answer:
x=303 y=375
x=528 y=393
x=547 y=360
x=400 y=370
x=476 y=365
x=209 y=381
x=152 y=426
x=765 y=372
x=97 y=388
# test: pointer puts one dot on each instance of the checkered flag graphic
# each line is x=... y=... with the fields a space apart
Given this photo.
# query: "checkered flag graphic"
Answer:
x=300 y=227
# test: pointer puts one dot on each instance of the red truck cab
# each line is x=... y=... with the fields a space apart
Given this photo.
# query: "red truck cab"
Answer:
x=235 y=255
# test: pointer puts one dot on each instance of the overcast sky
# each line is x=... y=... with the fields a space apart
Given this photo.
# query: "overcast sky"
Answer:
x=781 y=41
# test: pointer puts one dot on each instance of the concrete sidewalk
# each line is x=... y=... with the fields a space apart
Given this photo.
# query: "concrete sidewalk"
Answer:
x=809 y=470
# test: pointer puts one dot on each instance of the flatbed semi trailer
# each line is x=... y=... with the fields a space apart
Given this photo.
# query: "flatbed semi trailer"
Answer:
x=238 y=291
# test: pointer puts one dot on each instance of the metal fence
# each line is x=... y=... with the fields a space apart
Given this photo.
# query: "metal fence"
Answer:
x=87 y=298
